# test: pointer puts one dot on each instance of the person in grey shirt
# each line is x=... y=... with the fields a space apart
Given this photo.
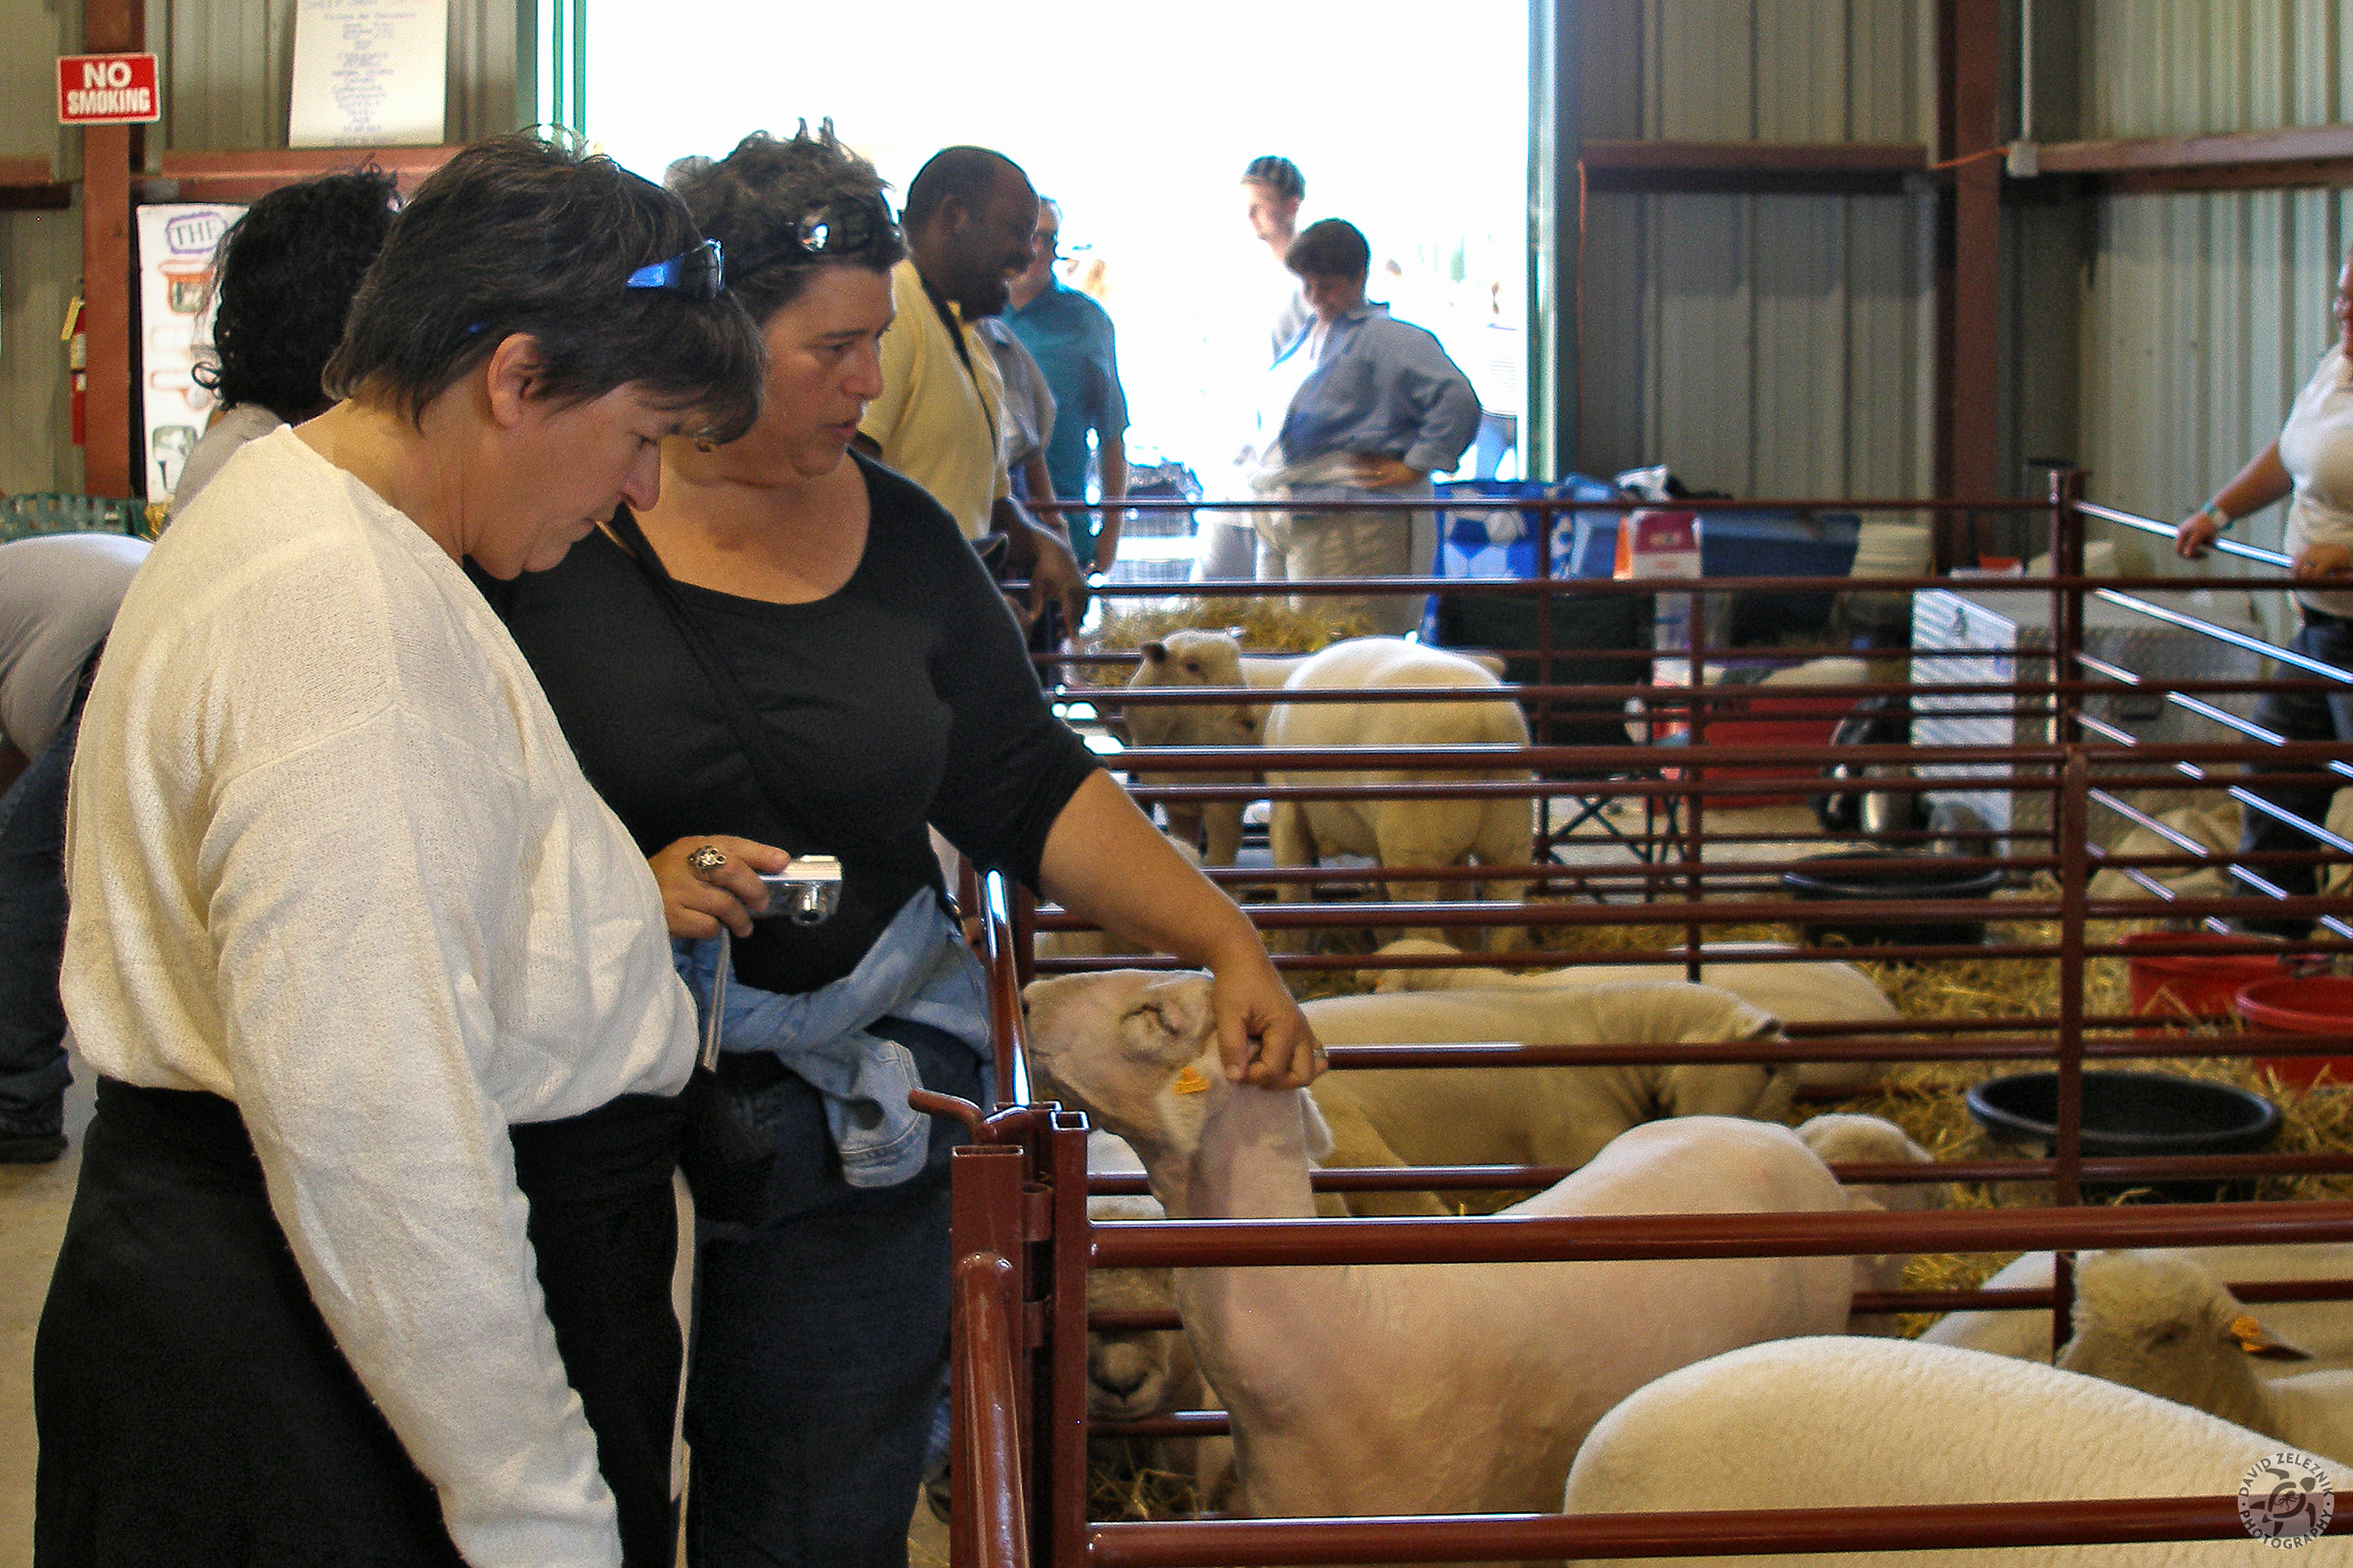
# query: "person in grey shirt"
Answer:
x=58 y=594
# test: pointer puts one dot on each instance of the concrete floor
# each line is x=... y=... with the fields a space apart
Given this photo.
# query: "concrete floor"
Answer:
x=33 y=1203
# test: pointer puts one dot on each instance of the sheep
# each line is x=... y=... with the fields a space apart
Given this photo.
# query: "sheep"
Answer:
x=1812 y=992
x=2160 y=1322
x=1840 y=1139
x=1203 y=658
x=1541 y=1115
x=1851 y=1423
x=2325 y=1329
x=1136 y=1374
x=1426 y=1388
x=1401 y=834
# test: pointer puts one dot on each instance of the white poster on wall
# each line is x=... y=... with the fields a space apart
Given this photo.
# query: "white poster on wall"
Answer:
x=369 y=73
x=176 y=242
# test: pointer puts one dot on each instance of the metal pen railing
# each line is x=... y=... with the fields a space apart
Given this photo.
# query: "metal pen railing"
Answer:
x=1030 y=1211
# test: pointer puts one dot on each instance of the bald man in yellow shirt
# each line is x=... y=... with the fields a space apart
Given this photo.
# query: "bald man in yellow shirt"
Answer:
x=970 y=219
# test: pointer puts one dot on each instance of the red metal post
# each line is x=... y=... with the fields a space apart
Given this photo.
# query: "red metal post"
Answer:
x=987 y=1525
x=1063 y=1400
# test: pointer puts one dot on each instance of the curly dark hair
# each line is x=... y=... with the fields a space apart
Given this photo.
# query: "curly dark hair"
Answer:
x=284 y=274
x=515 y=236
x=753 y=201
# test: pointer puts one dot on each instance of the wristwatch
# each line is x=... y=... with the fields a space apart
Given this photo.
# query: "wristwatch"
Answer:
x=2223 y=519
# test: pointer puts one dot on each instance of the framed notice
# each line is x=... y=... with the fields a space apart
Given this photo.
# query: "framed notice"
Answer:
x=176 y=242
x=369 y=73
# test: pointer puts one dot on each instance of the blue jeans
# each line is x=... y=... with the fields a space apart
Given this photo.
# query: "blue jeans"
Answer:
x=820 y=1343
x=33 y=1073
x=2300 y=716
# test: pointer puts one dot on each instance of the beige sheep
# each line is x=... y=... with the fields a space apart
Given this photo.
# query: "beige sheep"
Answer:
x=1532 y=1115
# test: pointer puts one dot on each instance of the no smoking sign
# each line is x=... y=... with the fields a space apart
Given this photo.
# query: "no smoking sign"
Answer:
x=107 y=89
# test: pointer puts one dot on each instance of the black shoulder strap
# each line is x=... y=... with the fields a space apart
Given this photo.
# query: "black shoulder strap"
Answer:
x=768 y=771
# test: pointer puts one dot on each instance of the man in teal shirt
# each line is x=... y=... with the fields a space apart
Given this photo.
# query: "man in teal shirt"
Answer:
x=1071 y=338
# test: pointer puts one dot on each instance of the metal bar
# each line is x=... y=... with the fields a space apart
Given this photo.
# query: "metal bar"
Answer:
x=1253 y=1243
x=988 y=1526
x=1008 y=1047
x=2164 y=529
x=1466 y=1538
x=1062 y=1401
x=1487 y=1178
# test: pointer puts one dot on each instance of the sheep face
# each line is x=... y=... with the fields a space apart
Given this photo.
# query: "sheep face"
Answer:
x=1135 y=1374
x=1191 y=659
x=1136 y=1049
x=2160 y=1322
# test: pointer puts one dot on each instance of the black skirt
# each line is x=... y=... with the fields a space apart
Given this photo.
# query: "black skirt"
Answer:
x=193 y=1410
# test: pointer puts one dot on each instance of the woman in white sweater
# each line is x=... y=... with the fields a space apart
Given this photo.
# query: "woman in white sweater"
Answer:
x=370 y=1257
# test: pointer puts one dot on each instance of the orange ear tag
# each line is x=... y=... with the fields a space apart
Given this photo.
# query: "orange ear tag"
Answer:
x=2249 y=1333
x=1191 y=1082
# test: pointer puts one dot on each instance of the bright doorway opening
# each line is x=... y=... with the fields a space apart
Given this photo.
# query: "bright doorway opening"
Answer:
x=1410 y=122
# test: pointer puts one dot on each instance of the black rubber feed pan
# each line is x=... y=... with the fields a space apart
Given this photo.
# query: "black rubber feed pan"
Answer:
x=2130 y=1113
x=1831 y=879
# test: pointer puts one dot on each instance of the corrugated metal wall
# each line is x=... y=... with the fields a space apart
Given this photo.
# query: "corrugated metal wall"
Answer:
x=40 y=256
x=1767 y=345
x=229 y=70
x=2204 y=311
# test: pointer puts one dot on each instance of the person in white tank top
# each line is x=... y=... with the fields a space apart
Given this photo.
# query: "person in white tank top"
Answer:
x=2311 y=461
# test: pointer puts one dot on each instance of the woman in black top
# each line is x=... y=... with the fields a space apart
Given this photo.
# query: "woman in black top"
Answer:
x=797 y=650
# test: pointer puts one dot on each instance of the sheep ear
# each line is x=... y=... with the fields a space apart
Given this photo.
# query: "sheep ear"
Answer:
x=1169 y=1018
x=1154 y=652
x=2250 y=1335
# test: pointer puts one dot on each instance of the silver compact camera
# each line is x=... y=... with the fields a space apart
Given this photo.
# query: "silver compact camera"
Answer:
x=806 y=892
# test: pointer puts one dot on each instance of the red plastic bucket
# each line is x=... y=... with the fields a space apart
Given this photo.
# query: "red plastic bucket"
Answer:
x=2320 y=1005
x=2192 y=985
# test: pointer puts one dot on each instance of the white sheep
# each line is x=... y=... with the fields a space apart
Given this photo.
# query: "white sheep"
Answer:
x=1425 y=1388
x=1814 y=991
x=1840 y=1139
x=1851 y=1423
x=2325 y=1329
x=1402 y=835
x=1533 y=1115
x=1203 y=658
x=2160 y=1322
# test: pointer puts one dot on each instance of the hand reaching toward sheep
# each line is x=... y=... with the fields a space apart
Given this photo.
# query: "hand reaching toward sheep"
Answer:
x=1262 y=1036
x=696 y=902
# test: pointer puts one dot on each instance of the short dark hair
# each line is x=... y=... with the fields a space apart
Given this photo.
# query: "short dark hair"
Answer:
x=966 y=175
x=753 y=201
x=283 y=279
x=1332 y=249
x=516 y=235
x=1278 y=175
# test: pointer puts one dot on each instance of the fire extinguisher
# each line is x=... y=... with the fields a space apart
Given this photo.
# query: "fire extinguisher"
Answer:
x=78 y=363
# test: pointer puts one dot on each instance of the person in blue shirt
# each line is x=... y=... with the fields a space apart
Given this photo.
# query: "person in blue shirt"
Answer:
x=1071 y=338
x=1359 y=404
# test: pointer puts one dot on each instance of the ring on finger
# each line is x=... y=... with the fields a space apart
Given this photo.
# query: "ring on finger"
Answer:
x=705 y=861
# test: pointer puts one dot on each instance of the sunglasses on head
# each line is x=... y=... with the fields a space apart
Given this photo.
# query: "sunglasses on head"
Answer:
x=843 y=228
x=697 y=272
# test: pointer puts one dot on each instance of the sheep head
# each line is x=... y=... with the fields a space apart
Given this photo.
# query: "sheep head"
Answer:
x=2160 y=1322
x=1191 y=658
x=1132 y=1373
x=1137 y=1050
